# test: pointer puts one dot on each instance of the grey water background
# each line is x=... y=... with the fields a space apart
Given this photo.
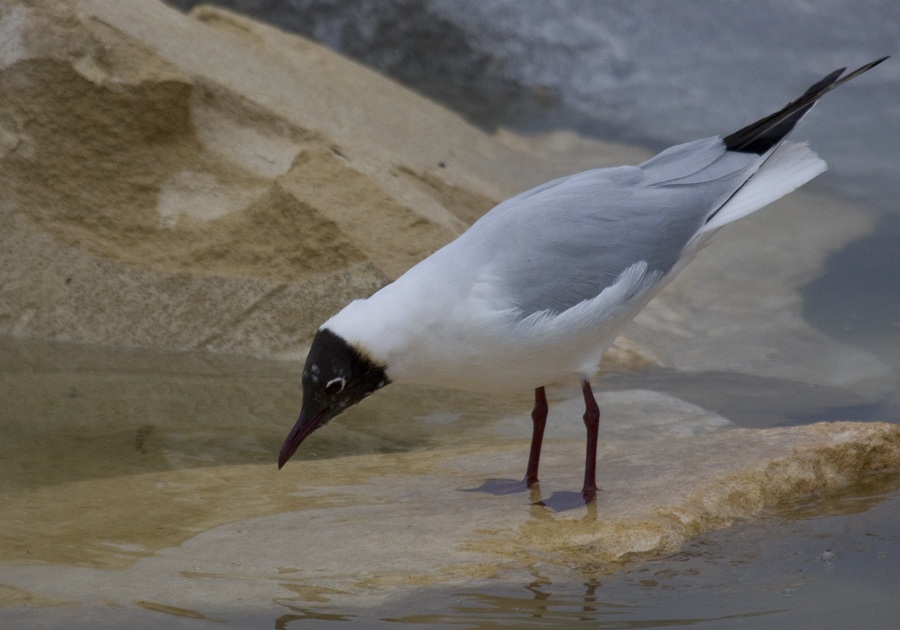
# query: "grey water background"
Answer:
x=651 y=72
x=657 y=73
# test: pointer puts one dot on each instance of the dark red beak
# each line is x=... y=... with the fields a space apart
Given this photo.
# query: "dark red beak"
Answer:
x=305 y=425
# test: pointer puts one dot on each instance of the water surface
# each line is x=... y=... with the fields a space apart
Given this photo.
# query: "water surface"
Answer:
x=84 y=414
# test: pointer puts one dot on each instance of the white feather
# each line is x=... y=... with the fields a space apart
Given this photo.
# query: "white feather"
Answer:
x=789 y=167
x=470 y=342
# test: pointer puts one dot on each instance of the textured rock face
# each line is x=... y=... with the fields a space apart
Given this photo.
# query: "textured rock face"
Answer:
x=213 y=183
x=156 y=197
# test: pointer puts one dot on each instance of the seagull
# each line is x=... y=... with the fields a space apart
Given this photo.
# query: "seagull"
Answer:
x=538 y=288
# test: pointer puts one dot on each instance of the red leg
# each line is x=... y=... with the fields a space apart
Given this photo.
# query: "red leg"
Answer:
x=539 y=420
x=592 y=424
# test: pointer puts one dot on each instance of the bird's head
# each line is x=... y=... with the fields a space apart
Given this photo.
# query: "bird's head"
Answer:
x=336 y=375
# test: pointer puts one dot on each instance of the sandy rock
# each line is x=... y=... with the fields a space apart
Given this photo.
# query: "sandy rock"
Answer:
x=168 y=178
x=356 y=530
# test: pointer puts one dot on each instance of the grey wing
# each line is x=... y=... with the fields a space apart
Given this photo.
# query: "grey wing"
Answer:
x=566 y=241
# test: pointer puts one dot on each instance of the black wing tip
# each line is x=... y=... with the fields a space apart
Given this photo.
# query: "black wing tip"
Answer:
x=760 y=136
x=872 y=64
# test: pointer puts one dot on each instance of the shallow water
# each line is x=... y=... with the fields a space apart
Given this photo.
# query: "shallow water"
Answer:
x=73 y=412
x=830 y=563
x=76 y=413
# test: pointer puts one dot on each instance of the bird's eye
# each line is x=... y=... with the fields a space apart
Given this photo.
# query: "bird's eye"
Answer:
x=335 y=386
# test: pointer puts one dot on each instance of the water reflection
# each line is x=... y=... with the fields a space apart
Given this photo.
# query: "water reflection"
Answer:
x=587 y=602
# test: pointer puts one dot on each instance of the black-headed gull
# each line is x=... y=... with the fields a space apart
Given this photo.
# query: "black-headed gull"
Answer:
x=539 y=287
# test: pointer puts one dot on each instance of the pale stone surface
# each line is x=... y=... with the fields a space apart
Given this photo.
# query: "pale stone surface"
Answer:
x=359 y=529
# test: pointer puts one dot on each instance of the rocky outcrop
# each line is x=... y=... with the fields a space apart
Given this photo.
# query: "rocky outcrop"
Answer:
x=213 y=183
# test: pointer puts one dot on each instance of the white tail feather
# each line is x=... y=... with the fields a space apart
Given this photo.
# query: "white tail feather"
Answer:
x=790 y=166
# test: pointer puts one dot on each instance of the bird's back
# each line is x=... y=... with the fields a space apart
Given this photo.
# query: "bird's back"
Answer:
x=564 y=242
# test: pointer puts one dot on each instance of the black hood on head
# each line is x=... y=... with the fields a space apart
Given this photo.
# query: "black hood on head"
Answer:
x=330 y=357
x=336 y=375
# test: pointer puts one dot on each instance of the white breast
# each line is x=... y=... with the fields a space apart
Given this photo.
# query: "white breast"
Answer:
x=466 y=335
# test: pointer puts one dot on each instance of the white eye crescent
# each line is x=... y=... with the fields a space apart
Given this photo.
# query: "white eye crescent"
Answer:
x=335 y=385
